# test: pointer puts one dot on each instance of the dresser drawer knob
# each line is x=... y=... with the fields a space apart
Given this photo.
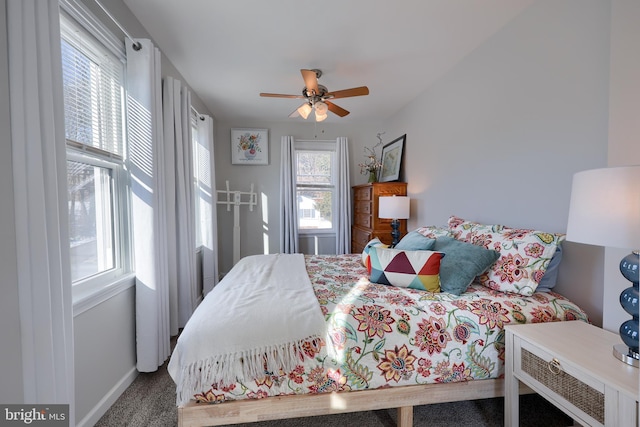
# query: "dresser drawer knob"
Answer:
x=554 y=366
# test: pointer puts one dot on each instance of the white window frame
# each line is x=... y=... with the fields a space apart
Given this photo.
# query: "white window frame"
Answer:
x=92 y=290
x=86 y=287
x=194 y=116
x=326 y=147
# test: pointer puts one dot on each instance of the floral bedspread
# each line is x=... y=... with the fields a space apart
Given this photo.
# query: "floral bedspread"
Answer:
x=381 y=336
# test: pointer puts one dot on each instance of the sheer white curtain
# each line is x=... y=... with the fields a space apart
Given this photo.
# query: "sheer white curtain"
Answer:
x=288 y=213
x=39 y=179
x=163 y=220
x=207 y=203
x=149 y=222
x=179 y=199
x=343 y=194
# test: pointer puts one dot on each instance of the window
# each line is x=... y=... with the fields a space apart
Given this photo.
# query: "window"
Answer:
x=91 y=232
x=201 y=177
x=315 y=186
x=93 y=78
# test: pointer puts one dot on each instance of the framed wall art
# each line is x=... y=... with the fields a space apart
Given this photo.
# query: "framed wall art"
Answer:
x=249 y=146
x=392 y=160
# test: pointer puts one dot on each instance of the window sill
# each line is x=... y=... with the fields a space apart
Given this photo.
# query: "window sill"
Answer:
x=84 y=301
x=317 y=232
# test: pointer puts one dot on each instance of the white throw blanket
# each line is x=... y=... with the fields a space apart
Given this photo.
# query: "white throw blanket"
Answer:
x=261 y=312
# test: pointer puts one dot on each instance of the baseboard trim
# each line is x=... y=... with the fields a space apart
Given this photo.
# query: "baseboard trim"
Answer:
x=109 y=399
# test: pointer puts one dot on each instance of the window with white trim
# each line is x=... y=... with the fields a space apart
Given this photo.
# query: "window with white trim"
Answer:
x=315 y=164
x=199 y=170
x=97 y=181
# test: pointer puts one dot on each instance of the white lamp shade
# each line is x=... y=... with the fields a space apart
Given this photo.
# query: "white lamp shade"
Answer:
x=394 y=207
x=304 y=110
x=605 y=207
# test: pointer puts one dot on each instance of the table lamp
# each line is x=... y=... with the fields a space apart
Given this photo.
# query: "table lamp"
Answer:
x=394 y=208
x=605 y=211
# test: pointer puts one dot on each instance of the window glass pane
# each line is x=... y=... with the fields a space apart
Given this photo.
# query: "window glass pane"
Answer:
x=313 y=167
x=91 y=232
x=314 y=209
x=196 y=174
x=92 y=81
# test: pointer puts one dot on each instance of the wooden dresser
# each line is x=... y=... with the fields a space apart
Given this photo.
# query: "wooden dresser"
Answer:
x=366 y=224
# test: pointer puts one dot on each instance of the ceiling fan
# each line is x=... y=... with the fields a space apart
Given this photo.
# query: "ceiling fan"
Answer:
x=317 y=97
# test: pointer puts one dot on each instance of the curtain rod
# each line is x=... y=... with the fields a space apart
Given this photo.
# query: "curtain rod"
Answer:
x=136 y=45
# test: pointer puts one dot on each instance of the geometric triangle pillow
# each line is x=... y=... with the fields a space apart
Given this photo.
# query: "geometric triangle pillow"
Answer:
x=405 y=269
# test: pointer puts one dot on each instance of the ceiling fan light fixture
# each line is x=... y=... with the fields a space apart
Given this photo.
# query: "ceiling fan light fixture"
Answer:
x=321 y=108
x=315 y=95
x=304 y=110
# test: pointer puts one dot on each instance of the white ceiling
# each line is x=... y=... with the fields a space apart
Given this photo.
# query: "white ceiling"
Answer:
x=230 y=51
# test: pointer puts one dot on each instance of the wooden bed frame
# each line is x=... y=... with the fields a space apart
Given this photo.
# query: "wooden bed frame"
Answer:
x=281 y=407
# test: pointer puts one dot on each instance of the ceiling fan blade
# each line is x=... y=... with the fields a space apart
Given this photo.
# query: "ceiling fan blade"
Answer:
x=310 y=80
x=356 y=91
x=280 y=95
x=335 y=109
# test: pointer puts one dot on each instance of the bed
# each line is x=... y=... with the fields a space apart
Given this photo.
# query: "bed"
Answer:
x=389 y=338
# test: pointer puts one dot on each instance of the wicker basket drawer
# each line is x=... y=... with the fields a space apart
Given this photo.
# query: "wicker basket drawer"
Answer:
x=551 y=376
x=572 y=366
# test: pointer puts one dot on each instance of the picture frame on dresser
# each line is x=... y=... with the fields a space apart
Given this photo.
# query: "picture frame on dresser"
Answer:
x=391 y=160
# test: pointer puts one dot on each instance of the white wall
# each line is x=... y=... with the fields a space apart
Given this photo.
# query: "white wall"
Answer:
x=260 y=229
x=499 y=137
x=11 y=388
x=624 y=131
x=105 y=354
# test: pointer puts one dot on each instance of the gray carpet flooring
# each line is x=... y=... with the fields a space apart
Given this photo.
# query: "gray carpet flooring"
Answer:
x=150 y=402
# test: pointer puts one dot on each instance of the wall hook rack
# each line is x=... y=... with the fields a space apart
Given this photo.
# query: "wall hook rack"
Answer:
x=237 y=199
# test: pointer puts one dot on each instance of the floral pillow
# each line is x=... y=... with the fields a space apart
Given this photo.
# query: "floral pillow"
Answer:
x=433 y=232
x=367 y=249
x=524 y=254
x=406 y=269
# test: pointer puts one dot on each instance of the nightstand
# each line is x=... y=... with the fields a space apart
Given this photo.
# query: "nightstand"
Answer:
x=572 y=366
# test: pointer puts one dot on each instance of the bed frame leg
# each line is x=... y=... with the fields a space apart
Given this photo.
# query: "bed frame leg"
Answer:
x=405 y=416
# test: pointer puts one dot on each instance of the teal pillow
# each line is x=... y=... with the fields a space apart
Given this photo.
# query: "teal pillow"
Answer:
x=415 y=241
x=462 y=263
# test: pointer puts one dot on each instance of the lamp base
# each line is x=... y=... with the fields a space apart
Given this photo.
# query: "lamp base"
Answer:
x=395 y=232
x=623 y=353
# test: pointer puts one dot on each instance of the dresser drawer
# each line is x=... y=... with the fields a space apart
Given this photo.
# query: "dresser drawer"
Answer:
x=553 y=377
x=363 y=207
x=361 y=236
x=363 y=193
x=363 y=220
